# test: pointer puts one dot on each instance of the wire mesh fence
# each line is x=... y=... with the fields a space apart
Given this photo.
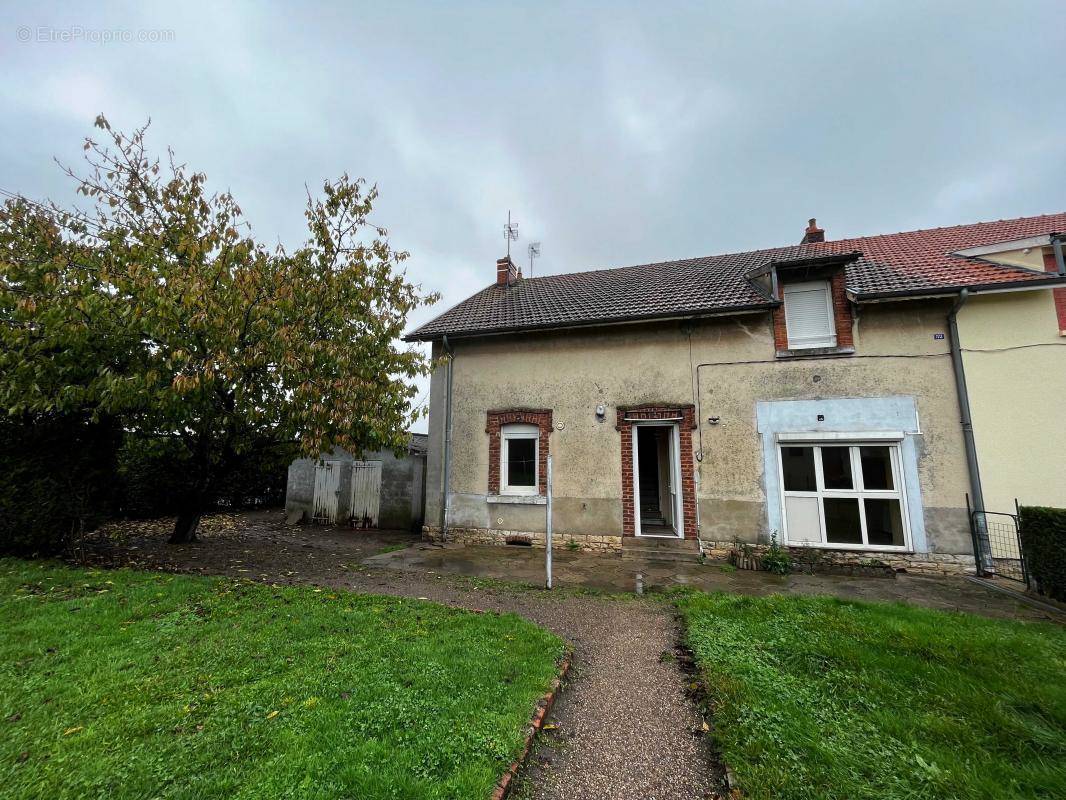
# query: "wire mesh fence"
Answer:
x=998 y=544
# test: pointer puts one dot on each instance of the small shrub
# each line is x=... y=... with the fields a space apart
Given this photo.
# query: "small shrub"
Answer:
x=1043 y=534
x=573 y=546
x=776 y=559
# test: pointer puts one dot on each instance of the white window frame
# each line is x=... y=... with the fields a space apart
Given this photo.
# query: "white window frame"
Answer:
x=858 y=492
x=509 y=432
x=829 y=339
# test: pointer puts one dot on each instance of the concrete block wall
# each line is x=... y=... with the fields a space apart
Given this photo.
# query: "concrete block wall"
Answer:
x=402 y=488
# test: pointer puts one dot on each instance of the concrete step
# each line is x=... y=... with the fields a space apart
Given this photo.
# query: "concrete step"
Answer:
x=660 y=549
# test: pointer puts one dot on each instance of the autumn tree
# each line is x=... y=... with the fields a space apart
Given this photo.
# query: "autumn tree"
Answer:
x=227 y=347
x=58 y=447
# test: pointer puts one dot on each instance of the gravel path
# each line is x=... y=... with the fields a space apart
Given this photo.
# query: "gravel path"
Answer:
x=624 y=726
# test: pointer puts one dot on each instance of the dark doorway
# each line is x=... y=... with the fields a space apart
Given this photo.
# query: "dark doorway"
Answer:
x=653 y=476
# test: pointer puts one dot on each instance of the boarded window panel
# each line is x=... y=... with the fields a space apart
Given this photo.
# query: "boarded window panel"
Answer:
x=521 y=462
x=842 y=525
x=876 y=468
x=801 y=516
x=836 y=467
x=808 y=316
x=797 y=464
x=884 y=521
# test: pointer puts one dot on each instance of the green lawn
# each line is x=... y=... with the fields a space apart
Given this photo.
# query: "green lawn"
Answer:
x=821 y=698
x=137 y=685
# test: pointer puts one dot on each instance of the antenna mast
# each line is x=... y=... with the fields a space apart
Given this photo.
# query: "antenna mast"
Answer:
x=534 y=252
x=510 y=233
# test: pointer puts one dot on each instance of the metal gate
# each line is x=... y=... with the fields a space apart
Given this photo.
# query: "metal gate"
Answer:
x=365 y=494
x=998 y=545
x=327 y=491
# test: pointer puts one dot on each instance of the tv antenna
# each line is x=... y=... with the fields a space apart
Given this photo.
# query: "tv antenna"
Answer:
x=510 y=233
x=534 y=252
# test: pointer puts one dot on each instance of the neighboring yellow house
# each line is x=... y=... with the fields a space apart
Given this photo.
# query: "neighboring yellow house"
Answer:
x=809 y=393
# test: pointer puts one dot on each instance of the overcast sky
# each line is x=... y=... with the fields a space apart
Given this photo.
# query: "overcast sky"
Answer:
x=615 y=133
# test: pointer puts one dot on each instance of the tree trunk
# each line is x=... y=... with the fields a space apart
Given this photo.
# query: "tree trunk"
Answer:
x=185 y=526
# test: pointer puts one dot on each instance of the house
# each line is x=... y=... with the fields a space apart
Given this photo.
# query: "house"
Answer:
x=379 y=490
x=845 y=396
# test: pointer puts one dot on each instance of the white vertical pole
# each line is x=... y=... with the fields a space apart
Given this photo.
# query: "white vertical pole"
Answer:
x=548 y=529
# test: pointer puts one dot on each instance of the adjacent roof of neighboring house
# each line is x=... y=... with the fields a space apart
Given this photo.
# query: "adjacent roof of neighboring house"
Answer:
x=891 y=265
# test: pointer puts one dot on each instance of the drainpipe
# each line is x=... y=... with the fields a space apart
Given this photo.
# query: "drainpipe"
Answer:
x=445 y=484
x=985 y=564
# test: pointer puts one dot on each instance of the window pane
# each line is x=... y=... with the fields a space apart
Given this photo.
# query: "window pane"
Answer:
x=884 y=522
x=836 y=467
x=797 y=464
x=842 y=524
x=521 y=462
x=876 y=467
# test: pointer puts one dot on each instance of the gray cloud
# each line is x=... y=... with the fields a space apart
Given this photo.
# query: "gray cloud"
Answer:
x=616 y=133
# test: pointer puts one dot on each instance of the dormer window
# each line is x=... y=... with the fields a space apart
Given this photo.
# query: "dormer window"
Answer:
x=809 y=315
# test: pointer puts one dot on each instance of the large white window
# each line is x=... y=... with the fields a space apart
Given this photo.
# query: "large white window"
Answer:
x=844 y=495
x=809 y=315
x=519 y=454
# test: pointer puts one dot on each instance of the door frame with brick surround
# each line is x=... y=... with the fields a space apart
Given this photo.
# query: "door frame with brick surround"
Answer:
x=677 y=513
x=684 y=416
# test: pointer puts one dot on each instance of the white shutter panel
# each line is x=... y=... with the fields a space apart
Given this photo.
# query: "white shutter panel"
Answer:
x=809 y=315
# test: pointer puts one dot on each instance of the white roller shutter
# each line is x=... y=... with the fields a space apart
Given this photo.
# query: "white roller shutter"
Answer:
x=809 y=315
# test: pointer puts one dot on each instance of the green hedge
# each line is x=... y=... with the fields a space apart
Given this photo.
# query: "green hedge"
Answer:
x=1043 y=532
x=152 y=472
x=56 y=480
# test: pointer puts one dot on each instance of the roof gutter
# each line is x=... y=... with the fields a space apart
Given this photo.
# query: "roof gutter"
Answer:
x=982 y=550
x=1050 y=282
x=1056 y=246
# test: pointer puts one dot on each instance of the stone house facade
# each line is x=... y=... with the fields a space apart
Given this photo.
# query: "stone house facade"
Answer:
x=808 y=394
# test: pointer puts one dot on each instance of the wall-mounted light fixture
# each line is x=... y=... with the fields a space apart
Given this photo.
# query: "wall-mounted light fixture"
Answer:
x=713 y=420
x=601 y=413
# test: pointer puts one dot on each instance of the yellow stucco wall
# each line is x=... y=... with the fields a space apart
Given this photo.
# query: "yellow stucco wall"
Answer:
x=1016 y=374
x=572 y=372
x=1031 y=258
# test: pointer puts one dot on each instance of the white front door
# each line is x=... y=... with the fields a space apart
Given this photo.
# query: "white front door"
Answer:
x=674 y=477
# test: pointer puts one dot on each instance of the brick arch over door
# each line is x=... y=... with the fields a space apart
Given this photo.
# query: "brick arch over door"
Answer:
x=495 y=420
x=685 y=416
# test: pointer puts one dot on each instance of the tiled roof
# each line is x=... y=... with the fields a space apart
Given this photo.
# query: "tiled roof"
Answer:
x=888 y=265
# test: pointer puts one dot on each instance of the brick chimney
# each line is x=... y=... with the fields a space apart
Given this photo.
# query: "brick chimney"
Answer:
x=506 y=271
x=813 y=233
